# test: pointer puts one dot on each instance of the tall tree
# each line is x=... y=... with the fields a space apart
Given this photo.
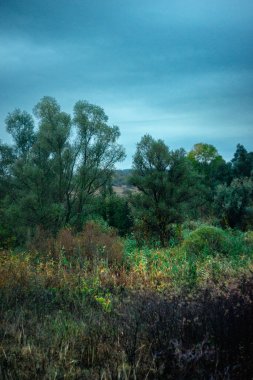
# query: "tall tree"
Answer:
x=54 y=140
x=233 y=203
x=210 y=164
x=20 y=125
x=7 y=158
x=54 y=171
x=166 y=182
x=98 y=152
x=213 y=170
x=242 y=162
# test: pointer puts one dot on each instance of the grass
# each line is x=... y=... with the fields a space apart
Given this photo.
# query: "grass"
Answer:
x=154 y=314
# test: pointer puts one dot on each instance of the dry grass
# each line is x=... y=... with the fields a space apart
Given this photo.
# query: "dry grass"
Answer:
x=73 y=313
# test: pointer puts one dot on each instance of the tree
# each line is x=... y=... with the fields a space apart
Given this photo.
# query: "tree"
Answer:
x=98 y=152
x=210 y=164
x=56 y=169
x=54 y=154
x=204 y=154
x=117 y=213
x=6 y=160
x=233 y=203
x=213 y=170
x=21 y=127
x=166 y=182
x=242 y=162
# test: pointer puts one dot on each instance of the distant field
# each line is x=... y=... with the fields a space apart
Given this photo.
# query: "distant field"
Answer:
x=124 y=190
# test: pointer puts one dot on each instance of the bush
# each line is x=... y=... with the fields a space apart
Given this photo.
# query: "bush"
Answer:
x=41 y=242
x=248 y=238
x=65 y=242
x=233 y=203
x=207 y=240
x=98 y=242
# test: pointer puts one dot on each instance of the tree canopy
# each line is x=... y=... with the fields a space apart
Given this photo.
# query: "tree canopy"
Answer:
x=53 y=170
x=166 y=181
x=59 y=170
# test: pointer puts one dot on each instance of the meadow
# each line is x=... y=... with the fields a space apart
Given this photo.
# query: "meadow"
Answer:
x=96 y=306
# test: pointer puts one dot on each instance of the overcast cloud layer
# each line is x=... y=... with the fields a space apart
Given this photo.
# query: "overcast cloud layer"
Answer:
x=181 y=70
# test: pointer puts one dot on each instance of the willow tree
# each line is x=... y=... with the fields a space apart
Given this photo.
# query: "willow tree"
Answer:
x=55 y=167
x=97 y=151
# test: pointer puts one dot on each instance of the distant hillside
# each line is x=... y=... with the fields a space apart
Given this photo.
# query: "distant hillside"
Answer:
x=120 y=182
x=121 y=178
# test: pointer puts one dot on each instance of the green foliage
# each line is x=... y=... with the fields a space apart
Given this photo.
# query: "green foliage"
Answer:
x=213 y=170
x=166 y=182
x=61 y=174
x=116 y=212
x=161 y=308
x=121 y=177
x=233 y=203
x=207 y=161
x=206 y=254
x=207 y=240
x=242 y=162
x=203 y=153
x=21 y=127
x=7 y=157
x=85 y=303
x=51 y=177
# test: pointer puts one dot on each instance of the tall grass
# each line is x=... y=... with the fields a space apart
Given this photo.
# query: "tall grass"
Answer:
x=86 y=310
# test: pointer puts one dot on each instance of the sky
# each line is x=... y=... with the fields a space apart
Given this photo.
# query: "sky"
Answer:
x=179 y=70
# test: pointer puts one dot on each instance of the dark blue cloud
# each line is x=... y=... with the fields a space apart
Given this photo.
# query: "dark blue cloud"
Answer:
x=181 y=70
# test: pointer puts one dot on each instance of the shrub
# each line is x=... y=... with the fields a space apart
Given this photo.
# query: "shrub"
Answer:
x=98 y=242
x=232 y=203
x=208 y=240
x=65 y=242
x=248 y=238
x=41 y=242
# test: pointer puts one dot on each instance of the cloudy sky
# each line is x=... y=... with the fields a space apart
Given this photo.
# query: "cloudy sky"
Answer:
x=180 y=70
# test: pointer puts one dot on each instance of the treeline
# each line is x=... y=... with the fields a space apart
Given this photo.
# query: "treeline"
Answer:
x=175 y=186
x=58 y=172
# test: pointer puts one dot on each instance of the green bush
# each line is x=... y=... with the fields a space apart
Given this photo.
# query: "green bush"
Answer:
x=207 y=240
x=248 y=238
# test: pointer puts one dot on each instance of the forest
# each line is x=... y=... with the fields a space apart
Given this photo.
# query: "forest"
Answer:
x=151 y=282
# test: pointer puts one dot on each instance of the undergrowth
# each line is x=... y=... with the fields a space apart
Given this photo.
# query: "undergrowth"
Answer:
x=94 y=306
